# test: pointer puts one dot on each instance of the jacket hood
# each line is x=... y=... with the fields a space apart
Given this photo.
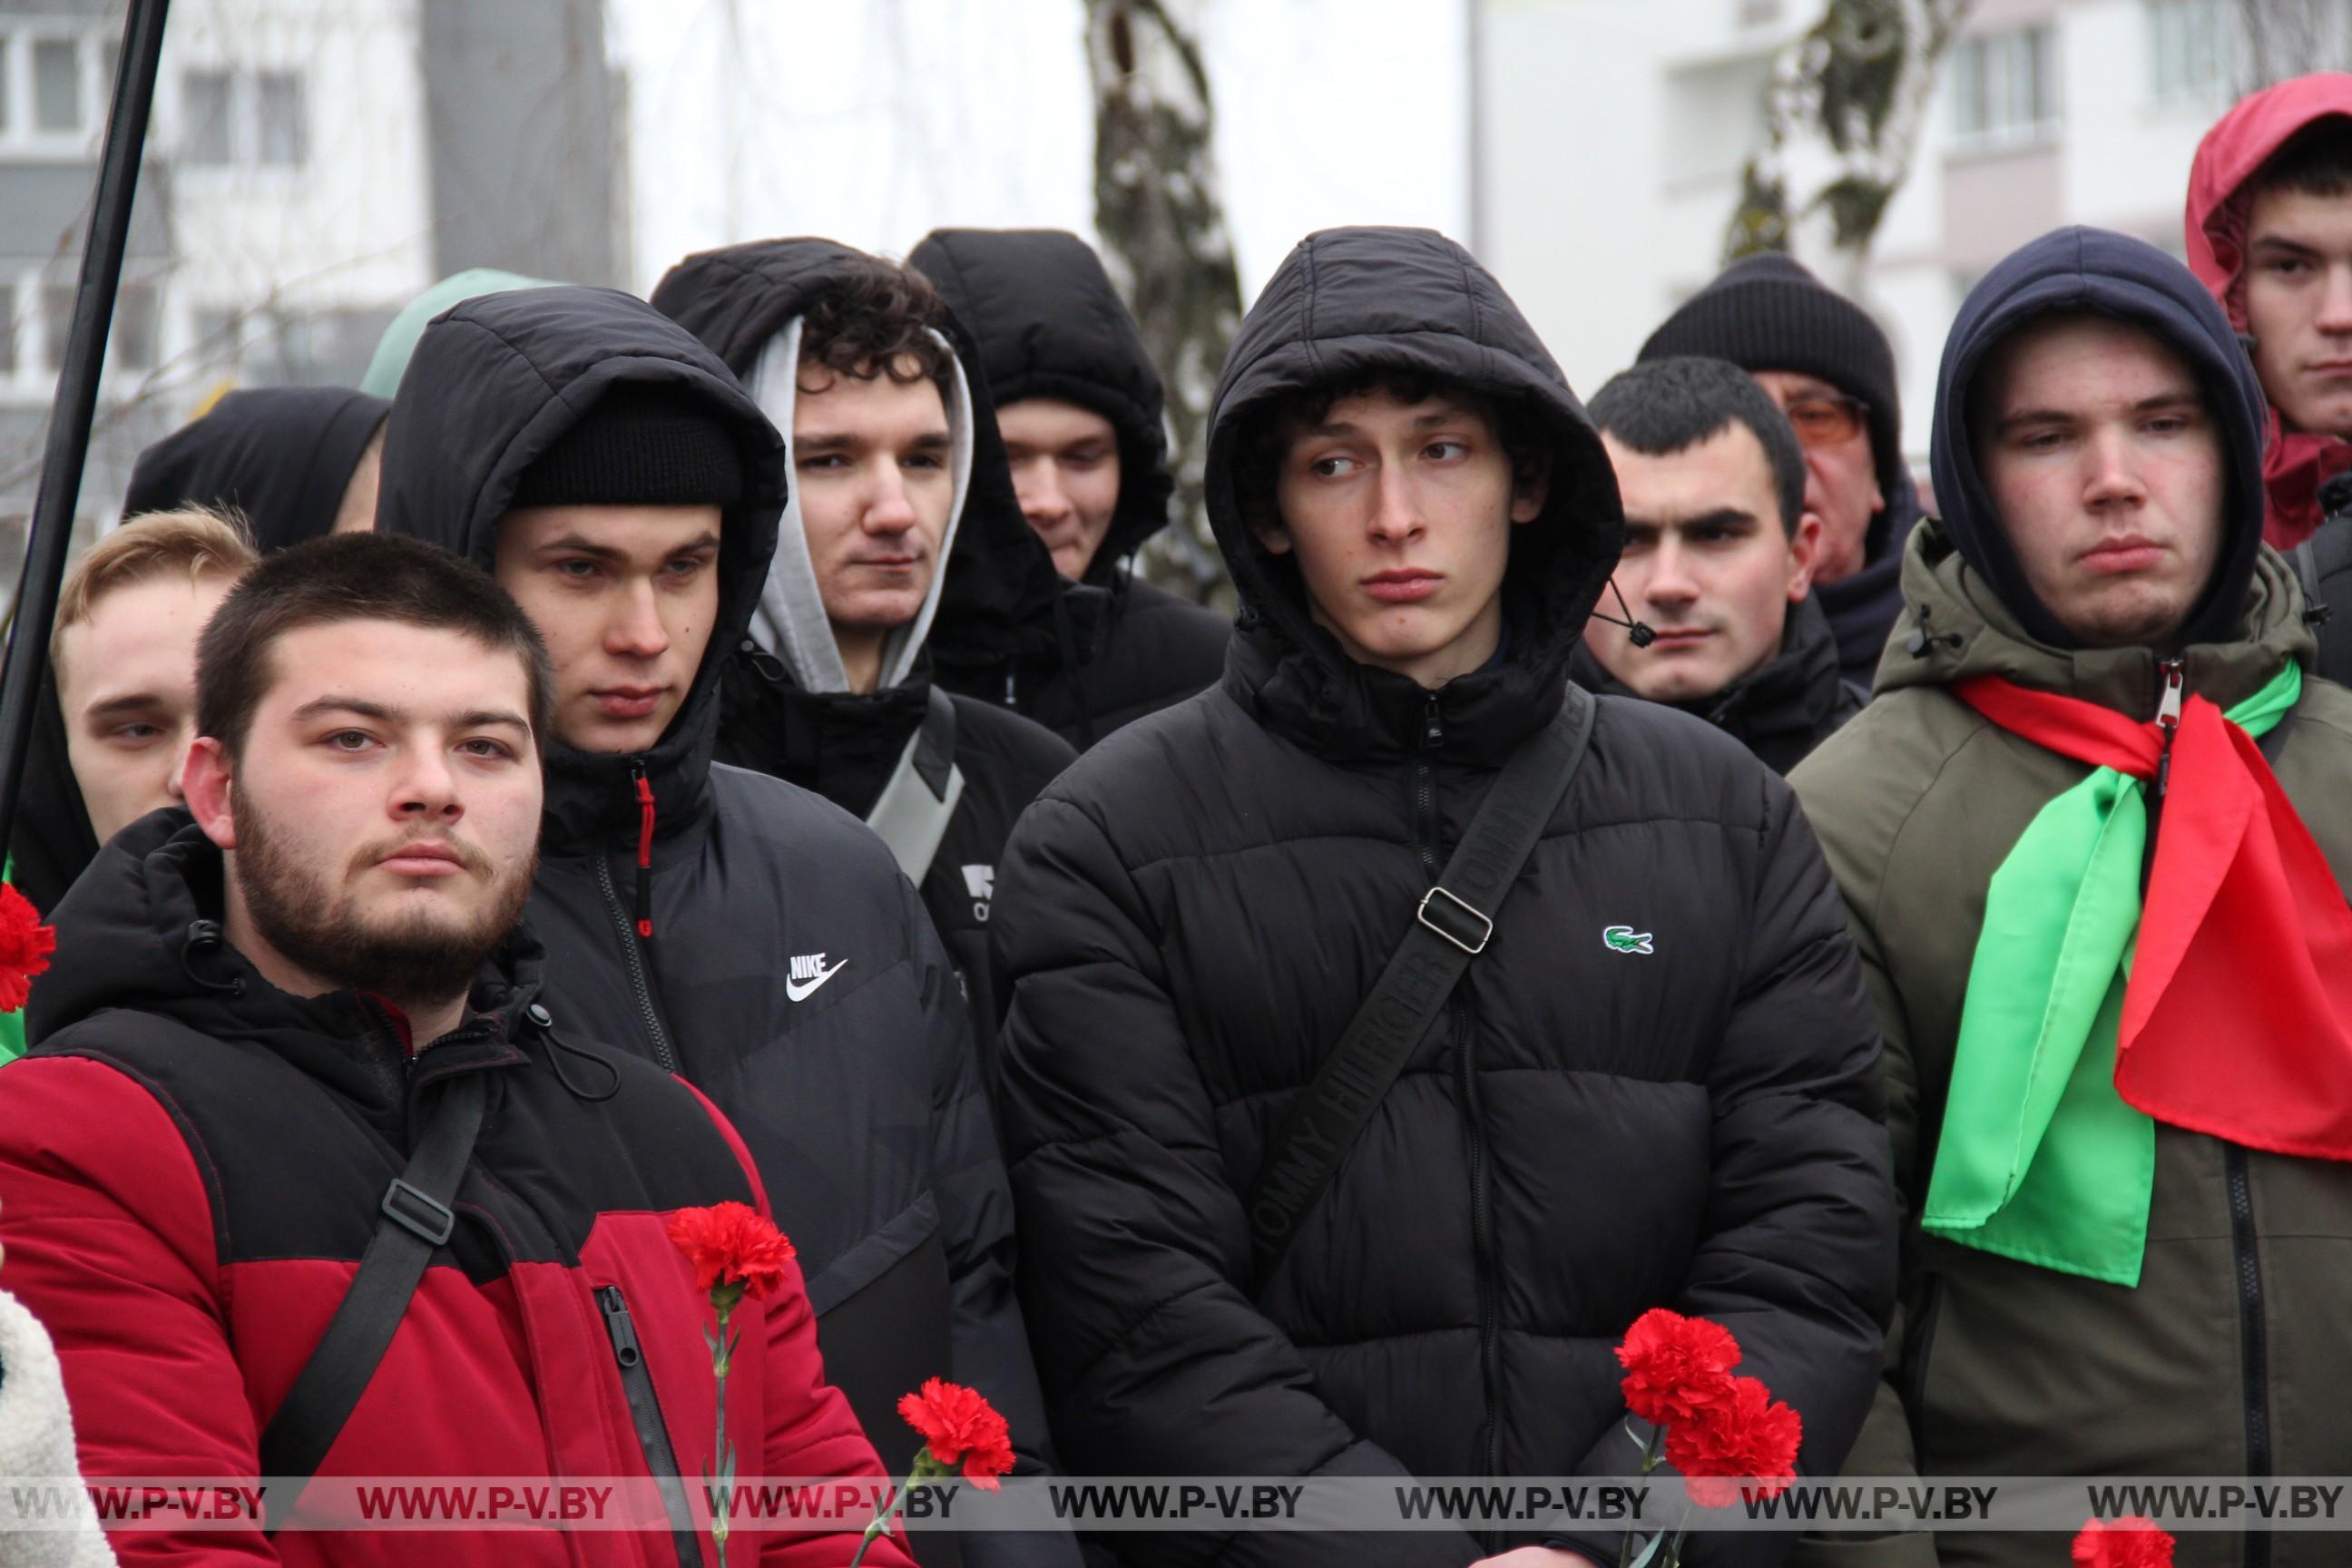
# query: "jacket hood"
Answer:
x=283 y=456
x=1355 y=301
x=141 y=931
x=1049 y=323
x=2296 y=462
x=398 y=344
x=998 y=590
x=2091 y=269
x=496 y=381
x=51 y=840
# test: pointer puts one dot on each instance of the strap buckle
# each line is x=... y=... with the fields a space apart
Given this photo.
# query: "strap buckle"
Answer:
x=1455 y=913
x=418 y=1212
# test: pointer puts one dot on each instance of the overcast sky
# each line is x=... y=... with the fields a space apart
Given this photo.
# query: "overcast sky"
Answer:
x=872 y=121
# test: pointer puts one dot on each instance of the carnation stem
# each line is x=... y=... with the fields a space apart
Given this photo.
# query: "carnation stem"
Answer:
x=721 y=1361
x=881 y=1521
x=1649 y=1462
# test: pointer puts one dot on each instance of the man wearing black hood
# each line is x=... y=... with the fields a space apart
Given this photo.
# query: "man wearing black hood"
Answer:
x=1082 y=412
x=892 y=511
x=737 y=930
x=2092 y=840
x=1659 y=1003
x=1828 y=366
x=298 y=461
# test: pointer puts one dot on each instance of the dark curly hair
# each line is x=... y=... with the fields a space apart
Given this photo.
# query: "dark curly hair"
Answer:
x=879 y=321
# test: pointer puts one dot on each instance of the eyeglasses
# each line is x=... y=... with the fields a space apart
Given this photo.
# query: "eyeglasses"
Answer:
x=1827 y=421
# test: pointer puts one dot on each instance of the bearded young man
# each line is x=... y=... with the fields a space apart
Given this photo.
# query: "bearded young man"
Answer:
x=1420 y=519
x=2092 y=838
x=262 y=1023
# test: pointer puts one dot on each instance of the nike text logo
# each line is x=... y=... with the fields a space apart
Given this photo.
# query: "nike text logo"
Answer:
x=809 y=973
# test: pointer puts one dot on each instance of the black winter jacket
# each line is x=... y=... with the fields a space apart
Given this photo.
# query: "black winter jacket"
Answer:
x=1191 y=915
x=843 y=744
x=1781 y=711
x=2323 y=564
x=859 y=1094
x=1050 y=324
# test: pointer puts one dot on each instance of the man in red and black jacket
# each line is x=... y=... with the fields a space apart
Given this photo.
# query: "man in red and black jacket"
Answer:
x=251 y=1021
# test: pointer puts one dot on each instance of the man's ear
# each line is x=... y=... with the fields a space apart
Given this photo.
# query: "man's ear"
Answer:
x=1268 y=532
x=1531 y=489
x=1804 y=552
x=206 y=780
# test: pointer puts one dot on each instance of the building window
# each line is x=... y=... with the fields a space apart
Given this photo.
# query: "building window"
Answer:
x=5 y=73
x=2004 y=87
x=7 y=329
x=136 y=327
x=2190 y=46
x=57 y=85
x=284 y=119
x=204 y=109
x=57 y=321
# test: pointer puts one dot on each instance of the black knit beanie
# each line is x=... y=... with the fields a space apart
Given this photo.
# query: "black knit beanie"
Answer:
x=639 y=445
x=1767 y=312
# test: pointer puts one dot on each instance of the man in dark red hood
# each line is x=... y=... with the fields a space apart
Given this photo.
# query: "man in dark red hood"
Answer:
x=2268 y=231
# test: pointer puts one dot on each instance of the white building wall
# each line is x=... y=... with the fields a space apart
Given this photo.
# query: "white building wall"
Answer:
x=347 y=229
x=1615 y=130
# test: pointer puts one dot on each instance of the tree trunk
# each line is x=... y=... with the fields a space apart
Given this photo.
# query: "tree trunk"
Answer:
x=1163 y=230
x=1842 y=123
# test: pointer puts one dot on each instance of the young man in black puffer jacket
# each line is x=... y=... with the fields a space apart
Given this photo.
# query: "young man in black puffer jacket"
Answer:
x=1085 y=424
x=1420 y=518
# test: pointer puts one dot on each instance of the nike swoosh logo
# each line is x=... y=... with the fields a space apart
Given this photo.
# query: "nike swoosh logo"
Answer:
x=801 y=993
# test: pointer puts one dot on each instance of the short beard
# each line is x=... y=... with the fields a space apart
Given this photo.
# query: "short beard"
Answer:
x=417 y=962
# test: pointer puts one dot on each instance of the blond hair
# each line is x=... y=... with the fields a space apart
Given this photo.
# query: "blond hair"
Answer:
x=200 y=540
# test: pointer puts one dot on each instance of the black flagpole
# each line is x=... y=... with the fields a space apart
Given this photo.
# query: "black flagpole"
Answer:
x=76 y=401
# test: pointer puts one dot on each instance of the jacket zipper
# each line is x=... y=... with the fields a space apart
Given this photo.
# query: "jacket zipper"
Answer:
x=2171 y=688
x=1457 y=1013
x=645 y=1413
x=645 y=792
x=2253 y=1338
x=632 y=932
x=2254 y=1351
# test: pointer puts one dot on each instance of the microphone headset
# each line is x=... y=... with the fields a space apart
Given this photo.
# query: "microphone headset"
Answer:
x=1638 y=633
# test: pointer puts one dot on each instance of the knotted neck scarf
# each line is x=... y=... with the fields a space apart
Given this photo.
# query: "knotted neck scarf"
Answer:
x=2222 y=1006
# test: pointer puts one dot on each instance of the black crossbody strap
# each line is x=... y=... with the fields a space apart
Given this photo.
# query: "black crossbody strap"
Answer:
x=1449 y=929
x=413 y=1220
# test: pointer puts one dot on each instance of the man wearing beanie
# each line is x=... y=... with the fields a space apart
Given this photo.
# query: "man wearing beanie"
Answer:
x=737 y=930
x=1832 y=371
x=2092 y=842
x=1082 y=411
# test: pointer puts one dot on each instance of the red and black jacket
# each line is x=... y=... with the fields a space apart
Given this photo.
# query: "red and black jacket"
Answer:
x=191 y=1162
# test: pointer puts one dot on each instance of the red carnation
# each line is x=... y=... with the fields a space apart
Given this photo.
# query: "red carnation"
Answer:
x=734 y=1252
x=25 y=947
x=1749 y=1437
x=959 y=1425
x=1675 y=1367
x=2131 y=1541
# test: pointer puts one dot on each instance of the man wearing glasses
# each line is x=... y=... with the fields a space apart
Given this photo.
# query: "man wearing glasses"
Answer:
x=1822 y=358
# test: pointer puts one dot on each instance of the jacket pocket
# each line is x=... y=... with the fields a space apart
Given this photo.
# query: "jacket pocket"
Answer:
x=644 y=1414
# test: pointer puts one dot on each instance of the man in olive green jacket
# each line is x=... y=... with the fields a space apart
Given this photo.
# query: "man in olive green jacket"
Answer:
x=2109 y=1267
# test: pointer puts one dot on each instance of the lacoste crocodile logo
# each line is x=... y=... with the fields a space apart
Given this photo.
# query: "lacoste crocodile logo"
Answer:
x=808 y=972
x=1625 y=939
